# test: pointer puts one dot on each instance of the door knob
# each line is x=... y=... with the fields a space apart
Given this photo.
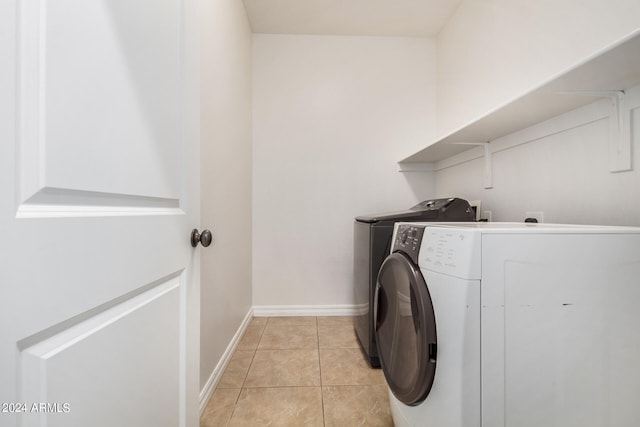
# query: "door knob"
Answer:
x=205 y=238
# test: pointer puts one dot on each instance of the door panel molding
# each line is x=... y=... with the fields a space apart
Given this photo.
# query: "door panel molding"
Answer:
x=60 y=202
x=70 y=365
x=114 y=115
x=141 y=294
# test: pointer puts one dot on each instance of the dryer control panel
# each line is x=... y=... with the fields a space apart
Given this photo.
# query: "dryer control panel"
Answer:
x=451 y=250
x=408 y=238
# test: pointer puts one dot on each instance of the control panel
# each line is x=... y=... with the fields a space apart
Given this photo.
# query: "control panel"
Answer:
x=451 y=250
x=408 y=240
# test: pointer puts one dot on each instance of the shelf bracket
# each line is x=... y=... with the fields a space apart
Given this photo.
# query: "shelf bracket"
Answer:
x=620 y=134
x=488 y=168
x=619 y=128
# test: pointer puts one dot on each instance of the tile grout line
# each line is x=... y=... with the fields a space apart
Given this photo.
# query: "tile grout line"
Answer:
x=320 y=372
x=253 y=356
x=261 y=335
x=242 y=387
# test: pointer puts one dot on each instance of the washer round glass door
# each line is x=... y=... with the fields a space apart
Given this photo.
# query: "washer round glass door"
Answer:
x=405 y=329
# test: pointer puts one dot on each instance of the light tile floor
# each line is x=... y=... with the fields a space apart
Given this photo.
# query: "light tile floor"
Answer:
x=299 y=371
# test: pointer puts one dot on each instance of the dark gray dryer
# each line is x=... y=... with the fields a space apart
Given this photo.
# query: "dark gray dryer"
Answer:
x=371 y=244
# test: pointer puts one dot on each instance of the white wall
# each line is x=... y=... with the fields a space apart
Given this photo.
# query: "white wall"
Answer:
x=492 y=51
x=226 y=176
x=331 y=115
x=559 y=167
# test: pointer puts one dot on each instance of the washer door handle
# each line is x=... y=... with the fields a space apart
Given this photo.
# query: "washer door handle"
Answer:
x=379 y=306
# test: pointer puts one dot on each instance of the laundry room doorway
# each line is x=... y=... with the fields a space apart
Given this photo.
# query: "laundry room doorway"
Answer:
x=99 y=192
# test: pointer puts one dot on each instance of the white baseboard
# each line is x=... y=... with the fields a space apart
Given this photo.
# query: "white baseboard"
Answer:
x=305 y=310
x=214 y=379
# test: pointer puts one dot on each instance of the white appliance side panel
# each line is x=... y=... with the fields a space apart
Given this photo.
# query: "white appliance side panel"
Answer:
x=559 y=322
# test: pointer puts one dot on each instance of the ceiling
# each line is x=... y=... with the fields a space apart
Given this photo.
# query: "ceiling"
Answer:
x=395 y=18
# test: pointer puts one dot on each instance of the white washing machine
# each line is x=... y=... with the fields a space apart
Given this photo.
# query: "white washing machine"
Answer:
x=511 y=325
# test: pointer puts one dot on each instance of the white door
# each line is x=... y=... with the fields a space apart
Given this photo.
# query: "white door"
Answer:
x=99 y=285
